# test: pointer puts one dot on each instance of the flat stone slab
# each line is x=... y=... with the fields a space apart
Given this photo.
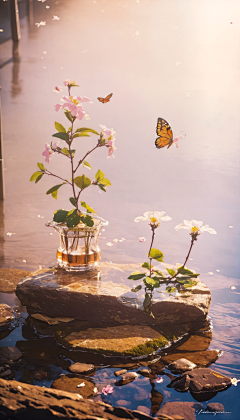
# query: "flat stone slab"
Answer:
x=9 y=354
x=201 y=380
x=81 y=367
x=85 y=297
x=131 y=340
x=6 y=316
x=9 y=278
x=180 y=410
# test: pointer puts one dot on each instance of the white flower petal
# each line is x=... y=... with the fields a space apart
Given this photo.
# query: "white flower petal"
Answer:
x=166 y=218
x=140 y=218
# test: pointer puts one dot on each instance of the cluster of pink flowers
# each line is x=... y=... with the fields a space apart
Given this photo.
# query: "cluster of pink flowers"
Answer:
x=107 y=390
x=110 y=135
x=48 y=151
x=74 y=105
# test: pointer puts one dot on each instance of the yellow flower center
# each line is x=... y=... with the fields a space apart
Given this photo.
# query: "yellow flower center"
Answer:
x=194 y=229
x=74 y=101
x=153 y=219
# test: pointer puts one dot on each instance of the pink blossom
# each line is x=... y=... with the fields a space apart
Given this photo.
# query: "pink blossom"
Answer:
x=47 y=152
x=107 y=390
x=142 y=239
x=177 y=138
x=74 y=104
x=111 y=148
x=107 y=133
x=159 y=380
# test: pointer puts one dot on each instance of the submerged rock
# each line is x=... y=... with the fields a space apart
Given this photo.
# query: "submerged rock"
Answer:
x=6 y=316
x=201 y=380
x=9 y=354
x=200 y=358
x=79 y=386
x=9 y=278
x=127 y=340
x=215 y=407
x=83 y=296
x=180 y=410
x=181 y=365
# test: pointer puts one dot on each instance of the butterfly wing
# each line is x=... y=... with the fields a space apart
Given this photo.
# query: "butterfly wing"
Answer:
x=165 y=134
x=107 y=99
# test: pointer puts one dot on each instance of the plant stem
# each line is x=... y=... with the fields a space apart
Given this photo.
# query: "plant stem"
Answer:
x=47 y=172
x=185 y=262
x=81 y=161
x=71 y=157
x=150 y=259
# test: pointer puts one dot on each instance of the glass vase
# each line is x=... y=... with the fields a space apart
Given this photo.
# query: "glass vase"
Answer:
x=79 y=249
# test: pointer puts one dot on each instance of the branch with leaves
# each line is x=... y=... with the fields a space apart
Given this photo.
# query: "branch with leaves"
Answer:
x=178 y=280
x=73 y=110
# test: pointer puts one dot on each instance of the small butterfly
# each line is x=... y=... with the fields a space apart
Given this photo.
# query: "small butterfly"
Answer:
x=105 y=100
x=165 y=134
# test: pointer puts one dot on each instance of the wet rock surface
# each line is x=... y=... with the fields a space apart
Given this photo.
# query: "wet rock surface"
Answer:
x=181 y=365
x=26 y=402
x=10 y=277
x=184 y=410
x=200 y=358
x=6 y=316
x=84 y=296
x=215 y=407
x=123 y=340
x=81 y=368
x=200 y=381
x=9 y=354
x=80 y=386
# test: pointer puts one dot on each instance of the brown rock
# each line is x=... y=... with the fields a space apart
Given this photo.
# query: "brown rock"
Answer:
x=200 y=358
x=62 y=294
x=218 y=407
x=144 y=372
x=27 y=402
x=120 y=372
x=9 y=354
x=115 y=340
x=129 y=376
x=202 y=380
x=5 y=373
x=143 y=409
x=69 y=384
x=196 y=343
x=81 y=368
x=185 y=410
x=6 y=316
x=181 y=365
x=10 y=277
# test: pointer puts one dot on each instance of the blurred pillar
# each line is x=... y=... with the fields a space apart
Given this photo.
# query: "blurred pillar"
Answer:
x=15 y=25
x=30 y=11
x=2 y=187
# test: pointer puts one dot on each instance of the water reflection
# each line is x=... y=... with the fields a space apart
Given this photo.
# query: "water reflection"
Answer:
x=16 y=83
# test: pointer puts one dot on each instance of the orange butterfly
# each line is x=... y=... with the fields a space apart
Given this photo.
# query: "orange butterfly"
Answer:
x=165 y=134
x=105 y=100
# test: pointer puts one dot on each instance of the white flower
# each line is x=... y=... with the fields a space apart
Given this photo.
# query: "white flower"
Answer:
x=196 y=227
x=154 y=218
x=235 y=381
x=142 y=239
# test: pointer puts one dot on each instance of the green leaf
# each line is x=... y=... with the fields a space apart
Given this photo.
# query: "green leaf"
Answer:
x=72 y=218
x=190 y=284
x=146 y=265
x=171 y=271
x=136 y=289
x=80 y=130
x=68 y=115
x=105 y=182
x=156 y=254
x=188 y=272
x=38 y=178
x=152 y=282
x=72 y=201
x=62 y=136
x=87 y=220
x=136 y=275
x=65 y=151
x=86 y=164
x=84 y=134
x=102 y=188
x=99 y=175
x=55 y=188
x=59 y=127
x=82 y=181
x=41 y=166
x=147 y=300
x=60 y=216
x=35 y=175
x=159 y=273
x=87 y=207
x=170 y=289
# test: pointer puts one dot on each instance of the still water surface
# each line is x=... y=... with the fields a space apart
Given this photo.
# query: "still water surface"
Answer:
x=177 y=60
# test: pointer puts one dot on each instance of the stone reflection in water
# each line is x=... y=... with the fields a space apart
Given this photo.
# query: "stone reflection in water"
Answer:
x=2 y=238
